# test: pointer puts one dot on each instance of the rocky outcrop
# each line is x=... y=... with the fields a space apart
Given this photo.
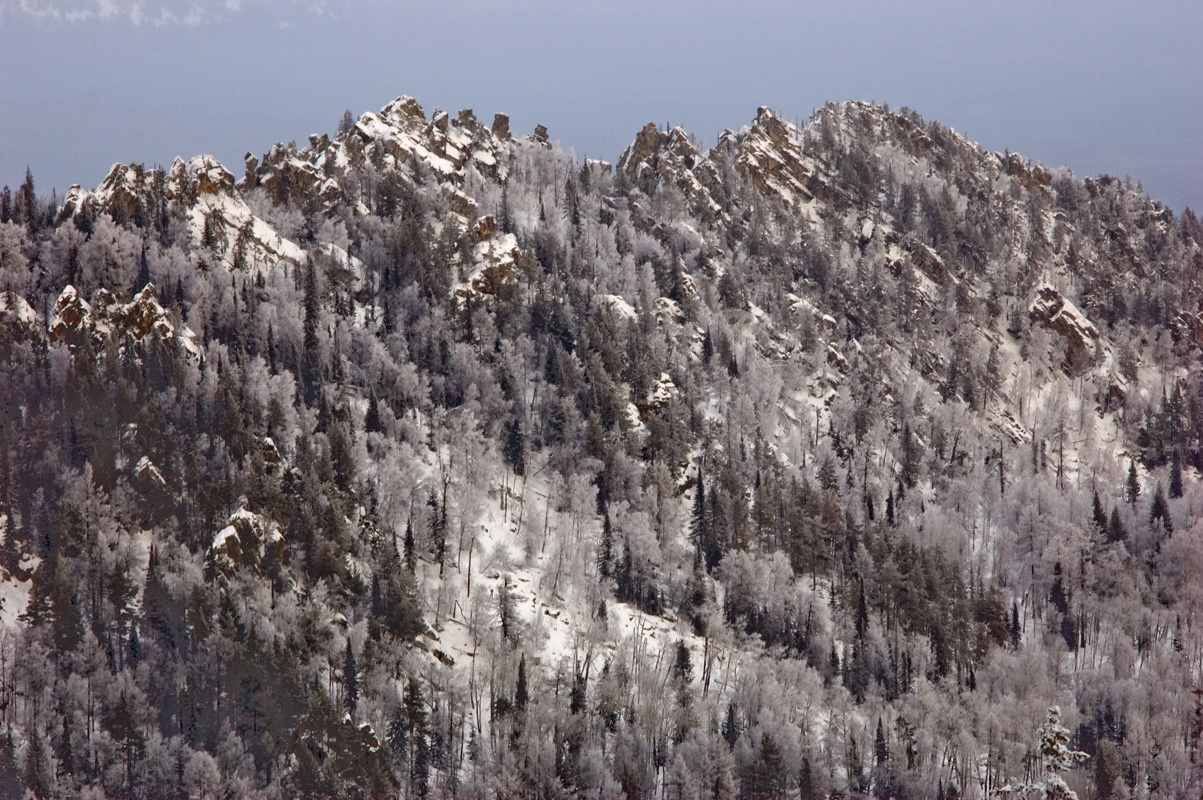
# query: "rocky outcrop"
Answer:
x=246 y=542
x=1029 y=174
x=200 y=175
x=75 y=320
x=501 y=127
x=401 y=136
x=773 y=158
x=289 y=178
x=928 y=261
x=1053 y=310
x=670 y=157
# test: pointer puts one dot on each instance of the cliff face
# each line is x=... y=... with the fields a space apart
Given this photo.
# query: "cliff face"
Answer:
x=425 y=459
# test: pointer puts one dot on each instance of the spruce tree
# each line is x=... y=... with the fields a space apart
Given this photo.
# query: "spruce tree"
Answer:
x=521 y=692
x=1133 y=488
x=66 y=754
x=411 y=558
x=698 y=527
x=397 y=734
x=1116 y=532
x=880 y=753
x=417 y=733
x=730 y=729
x=371 y=420
x=38 y=779
x=1159 y=511
x=350 y=681
x=1016 y=627
x=1099 y=514
x=11 y=786
x=605 y=548
x=1175 y=475
x=515 y=446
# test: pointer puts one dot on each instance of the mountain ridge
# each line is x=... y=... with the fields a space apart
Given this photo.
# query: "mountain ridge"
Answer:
x=728 y=445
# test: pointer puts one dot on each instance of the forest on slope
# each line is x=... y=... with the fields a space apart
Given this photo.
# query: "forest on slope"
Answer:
x=429 y=461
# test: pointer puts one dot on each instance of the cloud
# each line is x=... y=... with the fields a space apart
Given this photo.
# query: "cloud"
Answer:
x=141 y=12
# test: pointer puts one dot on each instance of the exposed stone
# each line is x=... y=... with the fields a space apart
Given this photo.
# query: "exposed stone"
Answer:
x=486 y=227
x=73 y=320
x=1123 y=251
x=836 y=359
x=404 y=109
x=122 y=188
x=251 y=179
x=288 y=177
x=209 y=175
x=271 y=455
x=772 y=157
x=540 y=134
x=658 y=157
x=663 y=392
x=1188 y=325
x=501 y=127
x=928 y=262
x=245 y=542
x=1027 y=173
x=143 y=316
x=1057 y=313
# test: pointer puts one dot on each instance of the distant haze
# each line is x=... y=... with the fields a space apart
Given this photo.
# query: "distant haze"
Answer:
x=1097 y=86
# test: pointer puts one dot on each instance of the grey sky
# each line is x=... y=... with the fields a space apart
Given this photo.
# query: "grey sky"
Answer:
x=1099 y=86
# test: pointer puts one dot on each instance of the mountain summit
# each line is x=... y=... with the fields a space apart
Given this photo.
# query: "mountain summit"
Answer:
x=837 y=460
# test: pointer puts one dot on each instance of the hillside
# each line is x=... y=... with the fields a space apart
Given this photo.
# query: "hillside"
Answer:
x=429 y=460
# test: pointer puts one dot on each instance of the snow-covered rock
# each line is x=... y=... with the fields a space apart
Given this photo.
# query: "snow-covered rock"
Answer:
x=246 y=540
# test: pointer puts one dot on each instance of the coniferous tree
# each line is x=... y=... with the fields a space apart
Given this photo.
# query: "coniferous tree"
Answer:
x=1175 y=475
x=26 y=205
x=311 y=366
x=350 y=681
x=521 y=692
x=806 y=781
x=699 y=529
x=156 y=600
x=11 y=786
x=605 y=547
x=1015 y=627
x=1132 y=493
x=122 y=723
x=371 y=420
x=38 y=779
x=730 y=729
x=515 y=447
x=1099 y=514
x=505 y=611
x=1159 y=511
x=417 y=735
x=397 y=733
x=66 y=753
x=1116 y=531
x=411 y=558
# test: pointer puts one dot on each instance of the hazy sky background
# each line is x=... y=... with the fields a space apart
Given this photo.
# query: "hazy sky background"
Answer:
x=1097 y=85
